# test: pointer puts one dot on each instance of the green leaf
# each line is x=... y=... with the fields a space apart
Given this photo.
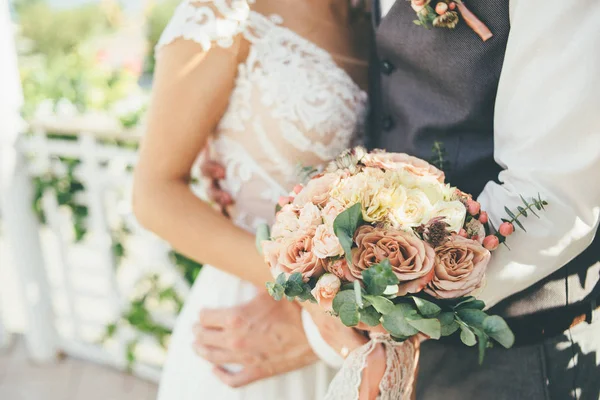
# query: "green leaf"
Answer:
x=522 y=211
x=483 y=342
x=520 y=225
x=467 y=336
x=417 y=22
x=349 y=314
x=378 y=277
x=370 y=316
x=429 y=326
x=397 y=324
x=497 y=329
x=472 y=317
x=449 y=325
x=427 y=308
x=343 y=297
x=262 y=234
x=281 y=279
x=473 y=303
x=525 y=203
x=275 y=290
x=344 y=227
x=294 y=285
x=381 y=304
x=510 y=213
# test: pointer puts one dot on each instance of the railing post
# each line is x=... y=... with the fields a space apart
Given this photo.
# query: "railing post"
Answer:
x=21 y=225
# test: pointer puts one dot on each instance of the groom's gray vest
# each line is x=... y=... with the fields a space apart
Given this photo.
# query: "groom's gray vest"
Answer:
x=440 y=85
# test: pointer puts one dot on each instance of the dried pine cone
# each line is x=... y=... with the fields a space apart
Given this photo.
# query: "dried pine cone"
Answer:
x=447 y=20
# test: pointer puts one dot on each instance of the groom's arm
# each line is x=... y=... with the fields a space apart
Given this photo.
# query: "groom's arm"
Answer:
x=547 y=137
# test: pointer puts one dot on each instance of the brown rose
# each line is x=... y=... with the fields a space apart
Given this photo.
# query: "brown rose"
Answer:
x=340 y=269
x=414 y=165
x=460 y=265
x=410 y=257
x=296 y=255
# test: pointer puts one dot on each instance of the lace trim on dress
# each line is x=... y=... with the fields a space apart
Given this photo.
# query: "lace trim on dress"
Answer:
x=398 y=380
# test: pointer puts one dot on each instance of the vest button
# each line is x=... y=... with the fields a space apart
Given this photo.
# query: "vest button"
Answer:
x=387 y=123
x=387 y=67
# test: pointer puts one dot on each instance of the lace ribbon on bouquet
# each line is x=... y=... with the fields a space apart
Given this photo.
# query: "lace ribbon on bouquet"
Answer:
x=400 y=373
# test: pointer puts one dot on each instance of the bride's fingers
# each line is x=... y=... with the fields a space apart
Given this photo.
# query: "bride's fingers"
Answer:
x=210 y=337
x=218 y=356
x=241 y=378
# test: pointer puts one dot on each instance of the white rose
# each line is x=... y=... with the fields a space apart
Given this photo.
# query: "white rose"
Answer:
x=326 y=243
x=415 y=210
x=286 y=222
x=454 y=213
x=428 y=184
x=310 y=216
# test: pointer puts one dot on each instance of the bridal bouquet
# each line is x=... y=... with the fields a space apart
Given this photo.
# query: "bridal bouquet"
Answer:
x=379 y=239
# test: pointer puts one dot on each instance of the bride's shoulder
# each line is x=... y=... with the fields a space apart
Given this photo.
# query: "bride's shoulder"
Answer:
x=207 y=23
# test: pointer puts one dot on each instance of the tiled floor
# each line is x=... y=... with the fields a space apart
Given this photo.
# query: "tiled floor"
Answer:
x=69 y=379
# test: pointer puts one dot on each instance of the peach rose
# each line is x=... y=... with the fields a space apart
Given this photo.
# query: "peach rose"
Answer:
x=412 y=164
x=271 y=252
x=326 y=243
x=460 y=266
x=410 y=257
x=340 y=269
x=296 y=255
x=325 y=290
x=317 y=190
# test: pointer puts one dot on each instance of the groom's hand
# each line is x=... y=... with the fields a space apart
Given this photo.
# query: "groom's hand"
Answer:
x=265 y=336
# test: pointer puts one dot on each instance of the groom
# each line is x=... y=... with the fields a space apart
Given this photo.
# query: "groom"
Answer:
x=516 y=114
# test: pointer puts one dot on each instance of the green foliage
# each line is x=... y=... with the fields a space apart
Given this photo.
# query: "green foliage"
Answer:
x=157 y=20
x=188 y=267
x=345 y=226
x=291 y=287
x=378 y=277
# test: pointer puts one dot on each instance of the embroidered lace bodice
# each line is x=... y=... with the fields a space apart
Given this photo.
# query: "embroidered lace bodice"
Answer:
x=291 y=104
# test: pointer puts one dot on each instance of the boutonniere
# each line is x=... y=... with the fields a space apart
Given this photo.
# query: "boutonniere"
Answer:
x=445 y=15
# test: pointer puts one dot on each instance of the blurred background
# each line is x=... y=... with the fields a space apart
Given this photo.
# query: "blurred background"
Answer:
x=87 y=297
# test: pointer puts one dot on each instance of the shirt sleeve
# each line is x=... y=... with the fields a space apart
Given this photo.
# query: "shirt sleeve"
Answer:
x=547 y=139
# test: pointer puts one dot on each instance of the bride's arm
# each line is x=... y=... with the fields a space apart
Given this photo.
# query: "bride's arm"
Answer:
x=190 y=94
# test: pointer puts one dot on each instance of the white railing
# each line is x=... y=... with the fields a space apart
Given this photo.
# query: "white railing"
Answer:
x=82 y=281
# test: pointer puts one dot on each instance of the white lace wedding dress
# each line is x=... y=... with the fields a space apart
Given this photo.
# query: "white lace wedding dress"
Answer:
x=291 y=105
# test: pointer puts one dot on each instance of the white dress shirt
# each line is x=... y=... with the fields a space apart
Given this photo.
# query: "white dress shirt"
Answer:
x=547 y=137
x=385 y=6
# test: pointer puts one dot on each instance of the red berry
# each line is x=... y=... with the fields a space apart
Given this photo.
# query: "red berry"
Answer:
x=483 y=217
x=473 y=207
x=441 y=8
x=452 y=6
x=506 y=229
x=491 y=242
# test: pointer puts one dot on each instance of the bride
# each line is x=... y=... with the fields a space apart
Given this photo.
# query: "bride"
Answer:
x=264 y=85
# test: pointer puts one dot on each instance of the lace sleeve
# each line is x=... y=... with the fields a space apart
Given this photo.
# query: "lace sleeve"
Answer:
x=400 y=373
x=206 y=22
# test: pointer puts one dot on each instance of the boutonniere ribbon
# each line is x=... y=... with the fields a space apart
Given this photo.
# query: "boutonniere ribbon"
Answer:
x=446 y=15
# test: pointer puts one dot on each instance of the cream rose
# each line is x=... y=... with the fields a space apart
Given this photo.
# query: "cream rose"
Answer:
x=325 y=290
x=310 y=216
x=317 y=190
x=415 y=210
x=296 y=255
x=454 y=213
x=410 y=257
x=286 y=222
x=271 y=252
x=460 y=266
x=325 y=243
x=332 y=209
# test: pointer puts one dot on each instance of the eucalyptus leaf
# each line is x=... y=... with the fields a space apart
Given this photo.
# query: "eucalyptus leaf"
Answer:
x=275 y=290
x=429 y=326
x=472 y=317
x=473 y=304
x=449 y=325
x=510 y=213
x=294 y=285
x=482 y=341
x=498 y=329
x=281 y=279
x=262 y=234
x=378 y=277
x=427 y=308
x=343 y=297
x=370 y=316
x=349 y=314
x=344 y=227
x=381 y=304
x=396 y=323
x=467 y=336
